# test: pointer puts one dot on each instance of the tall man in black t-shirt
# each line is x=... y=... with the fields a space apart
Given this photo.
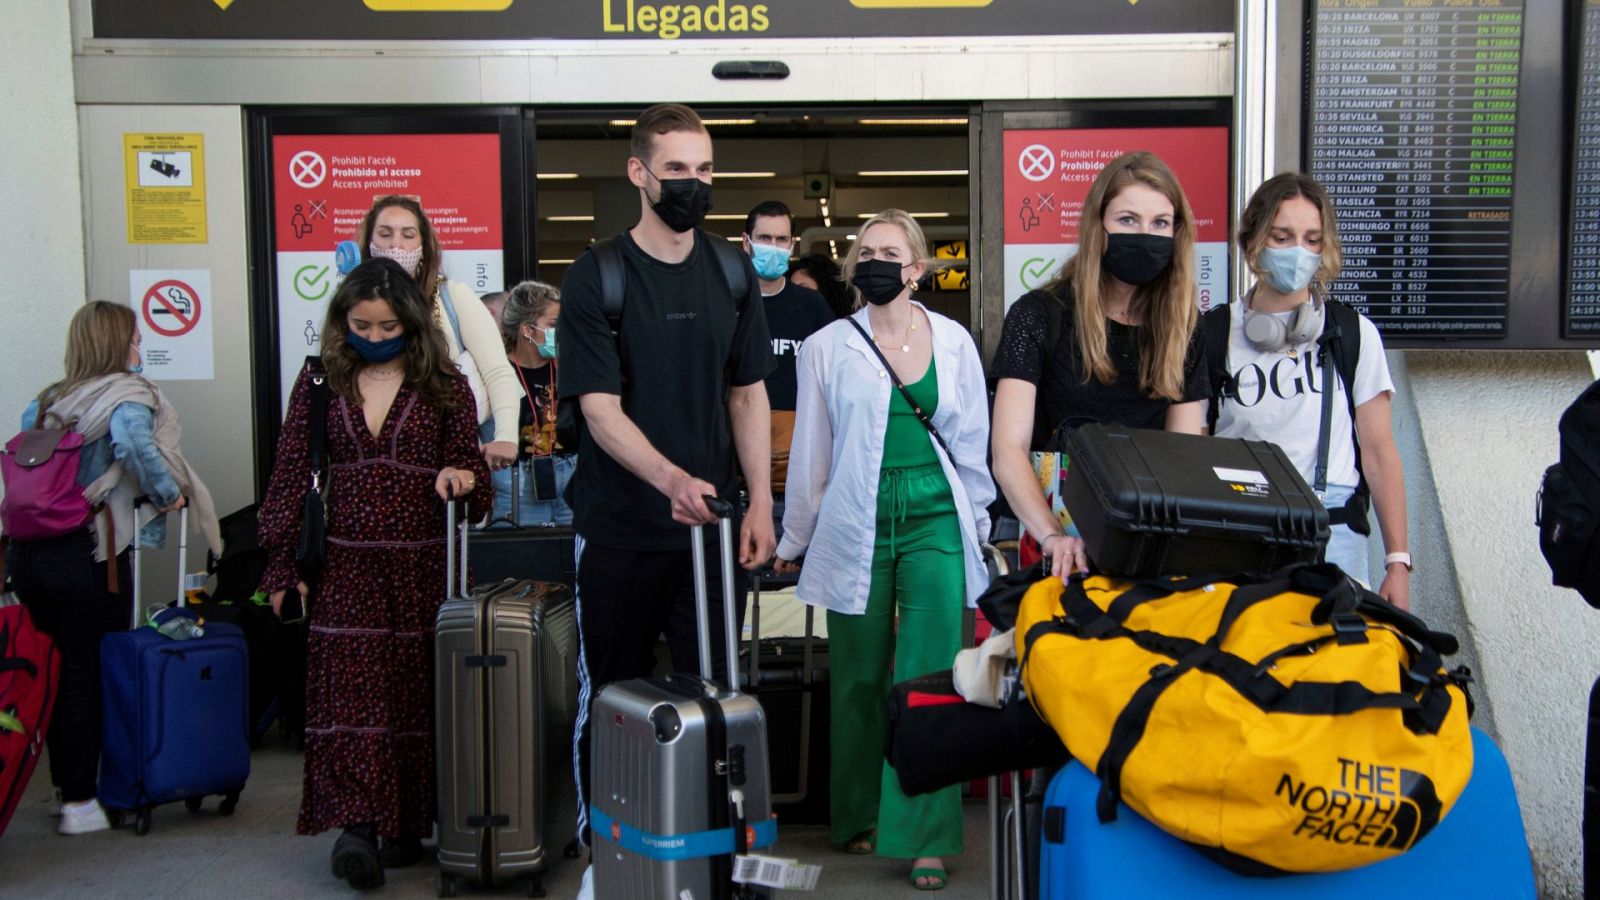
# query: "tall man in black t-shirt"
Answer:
x=667 y=401
x=793 y=314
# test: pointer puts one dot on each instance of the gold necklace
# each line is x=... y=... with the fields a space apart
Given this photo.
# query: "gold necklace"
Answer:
x=905 y=339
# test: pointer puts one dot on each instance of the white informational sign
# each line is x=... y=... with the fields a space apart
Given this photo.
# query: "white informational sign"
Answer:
x=1029 y=267
x=174 y=307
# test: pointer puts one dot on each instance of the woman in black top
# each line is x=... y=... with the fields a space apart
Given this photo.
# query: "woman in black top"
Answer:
x=1111 y=339
x=545 y=427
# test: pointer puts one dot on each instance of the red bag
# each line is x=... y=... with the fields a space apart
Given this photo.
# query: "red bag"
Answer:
x=42 y=498
x=30 y=672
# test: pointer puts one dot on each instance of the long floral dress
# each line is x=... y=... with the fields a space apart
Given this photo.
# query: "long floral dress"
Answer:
x=369 y=754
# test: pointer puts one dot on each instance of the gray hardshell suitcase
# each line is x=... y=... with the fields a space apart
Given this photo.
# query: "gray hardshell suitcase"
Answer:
x=506 y=698
x=681 y=780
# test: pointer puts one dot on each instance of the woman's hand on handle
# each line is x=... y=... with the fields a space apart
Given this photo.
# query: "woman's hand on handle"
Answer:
x=175 y=505
x=785 y=566
x=277 y=598
x=454 y=483
x=1064 y=555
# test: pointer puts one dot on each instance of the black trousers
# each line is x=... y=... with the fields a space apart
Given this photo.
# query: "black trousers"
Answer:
x=65 y=592
x=627 y=599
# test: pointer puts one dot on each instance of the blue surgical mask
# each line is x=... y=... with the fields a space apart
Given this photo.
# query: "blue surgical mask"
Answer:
x=770 y=262
x=376 y=351
x=1290 y=269
x=548 y=348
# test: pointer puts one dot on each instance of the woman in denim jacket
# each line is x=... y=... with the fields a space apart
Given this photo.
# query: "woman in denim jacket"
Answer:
x=78 y=587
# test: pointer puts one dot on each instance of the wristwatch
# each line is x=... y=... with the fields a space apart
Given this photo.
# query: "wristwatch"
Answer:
x=1401 y=557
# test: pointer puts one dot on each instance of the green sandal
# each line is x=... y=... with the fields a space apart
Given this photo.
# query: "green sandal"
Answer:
x=862 y=844
x=936 y=879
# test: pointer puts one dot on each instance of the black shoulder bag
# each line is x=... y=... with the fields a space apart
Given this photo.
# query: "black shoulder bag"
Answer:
x=922 y=415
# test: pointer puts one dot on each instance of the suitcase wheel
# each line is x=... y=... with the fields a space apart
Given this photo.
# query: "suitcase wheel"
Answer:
x=449 y=885
x=229 y=802
x=573 y=849
x=192 y=804
x=116 y=818
x=141 y=825
x=535 y=886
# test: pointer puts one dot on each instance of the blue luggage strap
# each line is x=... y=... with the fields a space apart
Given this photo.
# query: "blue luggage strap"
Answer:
x=675 y=847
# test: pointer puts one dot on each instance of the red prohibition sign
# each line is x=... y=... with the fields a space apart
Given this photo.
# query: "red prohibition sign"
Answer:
x=172 y=299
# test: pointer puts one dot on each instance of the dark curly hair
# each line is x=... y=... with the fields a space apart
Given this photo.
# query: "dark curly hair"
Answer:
x=426 y=359
x=830 y=282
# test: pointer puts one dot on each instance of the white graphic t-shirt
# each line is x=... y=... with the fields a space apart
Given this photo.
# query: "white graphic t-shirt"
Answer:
x=1280 y=398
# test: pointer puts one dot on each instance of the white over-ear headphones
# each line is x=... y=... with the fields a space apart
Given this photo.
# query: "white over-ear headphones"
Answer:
x=1267 y=333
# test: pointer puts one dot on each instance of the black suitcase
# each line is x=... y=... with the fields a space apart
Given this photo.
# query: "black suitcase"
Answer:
x=789 y=675
x=1153 y=503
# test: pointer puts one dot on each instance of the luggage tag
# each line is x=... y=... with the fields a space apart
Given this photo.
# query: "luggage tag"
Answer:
x=779 y=874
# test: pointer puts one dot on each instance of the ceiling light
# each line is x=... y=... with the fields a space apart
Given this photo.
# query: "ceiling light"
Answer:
x=915 y=215
x=726 y=217
x=849 y=237
x=953 y=120
x=569 y=218
x=912 y=173
x=744 y=175
x=556 y=262
x=629 y=123
x=738 y=238
x=556 y=176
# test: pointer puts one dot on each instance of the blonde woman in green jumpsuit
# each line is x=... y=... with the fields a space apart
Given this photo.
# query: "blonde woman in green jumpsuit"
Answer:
x=889 y=519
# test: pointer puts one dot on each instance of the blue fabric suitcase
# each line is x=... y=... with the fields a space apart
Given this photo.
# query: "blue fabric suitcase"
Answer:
x=1130 y=859
x=176 y=716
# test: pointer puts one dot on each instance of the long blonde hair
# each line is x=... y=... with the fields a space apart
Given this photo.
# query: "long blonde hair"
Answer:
x=1166 y=306
x=98 y=340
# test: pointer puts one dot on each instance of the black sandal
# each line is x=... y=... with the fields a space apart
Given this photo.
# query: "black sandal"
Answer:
x=355 y=857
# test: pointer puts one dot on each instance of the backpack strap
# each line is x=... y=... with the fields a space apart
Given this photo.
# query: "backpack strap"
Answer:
x=734 y=267
x=1215 y=328
x=1341 y=340
x=613 y=281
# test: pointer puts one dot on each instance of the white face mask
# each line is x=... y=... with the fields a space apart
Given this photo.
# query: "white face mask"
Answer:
x=1290 y=269
x=408 y=259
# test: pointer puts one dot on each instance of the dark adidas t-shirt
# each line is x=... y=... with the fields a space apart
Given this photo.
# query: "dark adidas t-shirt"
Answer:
x=683 y=341
x=793 y=314
x=1058 y=372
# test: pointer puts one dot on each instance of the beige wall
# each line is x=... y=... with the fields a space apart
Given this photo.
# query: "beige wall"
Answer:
x=41 y=235
x=216 y=414
x=1488 y=429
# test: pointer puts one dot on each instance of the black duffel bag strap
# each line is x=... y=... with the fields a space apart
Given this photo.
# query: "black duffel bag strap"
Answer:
x=1130 y=726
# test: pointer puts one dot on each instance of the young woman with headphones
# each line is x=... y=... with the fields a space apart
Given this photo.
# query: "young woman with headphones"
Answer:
x=1278 y=350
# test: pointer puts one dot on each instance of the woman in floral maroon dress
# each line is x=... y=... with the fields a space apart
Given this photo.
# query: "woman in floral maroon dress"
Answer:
x=401 y=435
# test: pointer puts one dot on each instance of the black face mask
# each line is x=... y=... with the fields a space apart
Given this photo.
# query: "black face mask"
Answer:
x=683 y=202
x=878 y=280
x=1137 y=259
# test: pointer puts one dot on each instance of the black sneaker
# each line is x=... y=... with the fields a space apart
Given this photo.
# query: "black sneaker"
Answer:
x=355 y=857
x=397 y=853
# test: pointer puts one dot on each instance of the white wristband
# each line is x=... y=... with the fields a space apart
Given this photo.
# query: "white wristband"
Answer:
x=1401 y=557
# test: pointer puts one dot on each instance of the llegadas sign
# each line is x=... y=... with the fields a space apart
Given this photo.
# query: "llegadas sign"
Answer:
x=514 y=20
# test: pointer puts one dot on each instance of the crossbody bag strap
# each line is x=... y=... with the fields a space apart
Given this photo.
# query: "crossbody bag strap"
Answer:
x=922 y=415
x=1320 y=476
x=317 y=437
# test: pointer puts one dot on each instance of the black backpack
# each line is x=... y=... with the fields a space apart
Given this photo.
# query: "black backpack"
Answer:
x=1568 y=507
x=1341 y=339
x=614 y=275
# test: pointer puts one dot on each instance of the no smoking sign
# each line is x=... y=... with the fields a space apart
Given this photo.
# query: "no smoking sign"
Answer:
x=175 y=317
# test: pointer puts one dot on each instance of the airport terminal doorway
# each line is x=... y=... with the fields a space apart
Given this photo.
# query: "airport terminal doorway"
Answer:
x=833 y=166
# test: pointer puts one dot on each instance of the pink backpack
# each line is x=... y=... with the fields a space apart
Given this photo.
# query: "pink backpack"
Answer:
x=43 y=500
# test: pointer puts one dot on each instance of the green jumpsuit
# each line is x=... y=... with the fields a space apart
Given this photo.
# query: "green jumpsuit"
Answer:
x=918 y=574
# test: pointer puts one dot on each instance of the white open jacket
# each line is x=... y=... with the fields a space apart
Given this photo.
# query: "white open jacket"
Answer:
x=841 y=415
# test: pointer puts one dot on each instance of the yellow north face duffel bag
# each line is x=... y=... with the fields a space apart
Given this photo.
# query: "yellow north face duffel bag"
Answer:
x=1291 y=722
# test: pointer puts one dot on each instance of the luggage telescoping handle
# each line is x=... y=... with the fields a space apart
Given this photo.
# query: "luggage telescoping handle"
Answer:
x=183 y=558
x=723 y=510
x=454 y=577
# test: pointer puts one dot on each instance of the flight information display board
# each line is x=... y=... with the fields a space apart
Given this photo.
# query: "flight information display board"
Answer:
x=1411 y=125
x=1583 y=235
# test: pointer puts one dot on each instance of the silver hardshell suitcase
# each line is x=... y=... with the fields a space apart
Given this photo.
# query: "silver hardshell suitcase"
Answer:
x=681 y=783
x=505 y=701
